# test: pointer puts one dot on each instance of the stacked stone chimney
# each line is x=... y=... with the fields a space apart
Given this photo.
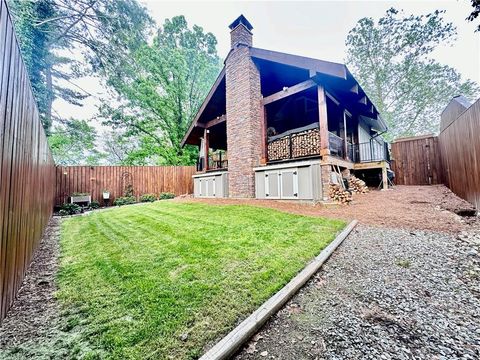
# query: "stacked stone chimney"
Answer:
x=244 y=112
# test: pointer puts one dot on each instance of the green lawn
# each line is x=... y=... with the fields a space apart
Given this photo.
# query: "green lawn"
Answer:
x=162 y=280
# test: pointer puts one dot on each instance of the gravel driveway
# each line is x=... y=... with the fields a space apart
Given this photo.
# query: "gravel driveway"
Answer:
x=384 y=294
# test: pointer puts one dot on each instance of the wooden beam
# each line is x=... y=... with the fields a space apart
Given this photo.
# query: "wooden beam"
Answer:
x=289 y=91
x=216 y=121
x=363 y=100
x=323 y=121
x=207 y=146
x=324 y=67
x=384 y=178
x=345 y=134
x=264 y=158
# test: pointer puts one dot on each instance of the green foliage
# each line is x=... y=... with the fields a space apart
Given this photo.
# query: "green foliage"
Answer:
x=63 y=212
x=74 y=144
x=152 y=274
x=52 y=33
x=148 y=198
x=124 y=200
x=166 y=195
x=70 y=209
x=128 y=191
x=390 y=58
x=475 y=12
x=161 y=89
x=94 y=205
x=34 y=37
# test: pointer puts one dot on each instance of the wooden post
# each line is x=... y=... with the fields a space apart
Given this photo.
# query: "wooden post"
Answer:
x=345 y=143
x=207 y=146
x=323 y=121
x=384 y=176
x=264 y=158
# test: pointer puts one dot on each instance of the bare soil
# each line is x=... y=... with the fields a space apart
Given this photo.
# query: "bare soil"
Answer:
x=34 y=316
x=432 y=208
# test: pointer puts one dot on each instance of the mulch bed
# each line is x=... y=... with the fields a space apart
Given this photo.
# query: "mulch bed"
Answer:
x=409 y=207
x=35 y=313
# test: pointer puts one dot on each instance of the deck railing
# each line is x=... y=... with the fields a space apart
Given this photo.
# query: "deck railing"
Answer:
x=369 y=151
x=306 y=144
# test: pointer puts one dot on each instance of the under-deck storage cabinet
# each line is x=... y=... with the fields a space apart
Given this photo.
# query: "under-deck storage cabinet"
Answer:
x=211 y=185
x=289 y=181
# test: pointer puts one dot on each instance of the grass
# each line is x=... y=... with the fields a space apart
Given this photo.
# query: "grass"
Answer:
x=166 y=279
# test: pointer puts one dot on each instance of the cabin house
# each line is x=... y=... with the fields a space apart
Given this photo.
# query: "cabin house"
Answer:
x=281 y=126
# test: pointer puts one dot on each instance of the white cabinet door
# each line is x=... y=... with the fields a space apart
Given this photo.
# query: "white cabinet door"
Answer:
x=289 y=184
x=272 y=184
x=211 y=187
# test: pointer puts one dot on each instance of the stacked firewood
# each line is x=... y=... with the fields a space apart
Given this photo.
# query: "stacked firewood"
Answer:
x=339 y=194
x=357 y=185
x=306 y=143
x=279 y=149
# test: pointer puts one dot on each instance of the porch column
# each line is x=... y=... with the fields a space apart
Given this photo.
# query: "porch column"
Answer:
x=384 y=176
x=264 y=157
x=326 y=169
x=323 y=121
x=207 y=146
x=345 y=143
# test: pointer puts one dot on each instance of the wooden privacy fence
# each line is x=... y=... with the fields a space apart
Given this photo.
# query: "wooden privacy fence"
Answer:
x=417 y=161
x=143 y=179
x=452 y=158
x=27 y=171
x=460 y=146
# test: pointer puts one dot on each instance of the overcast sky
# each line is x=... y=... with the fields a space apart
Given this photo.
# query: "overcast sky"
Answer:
x=315 y=29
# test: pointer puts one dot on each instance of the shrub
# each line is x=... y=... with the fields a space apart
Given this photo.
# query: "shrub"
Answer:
x=166 y=195
x=125 y=200
x=63 y=212
x=148 y=198
x=70 y=209
x=94 y=205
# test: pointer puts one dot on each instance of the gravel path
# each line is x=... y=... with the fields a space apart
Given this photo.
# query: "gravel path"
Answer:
x=384 y=294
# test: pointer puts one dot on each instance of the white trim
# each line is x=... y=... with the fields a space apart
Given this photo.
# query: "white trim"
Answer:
x=287 y=165
x=215 y=173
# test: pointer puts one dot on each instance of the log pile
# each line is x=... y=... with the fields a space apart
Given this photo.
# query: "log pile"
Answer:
x=279 y=149
x=337 y=193
x=306 y=143
x=357 y=185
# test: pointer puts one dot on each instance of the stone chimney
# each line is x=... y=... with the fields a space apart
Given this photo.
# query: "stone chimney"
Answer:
x=244 y=112
x=241 y=32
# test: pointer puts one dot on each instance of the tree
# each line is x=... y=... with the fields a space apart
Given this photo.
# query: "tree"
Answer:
x=161 y=89
x=74 y=144
x=475 y=12
x=54 y=33
x=391 y=60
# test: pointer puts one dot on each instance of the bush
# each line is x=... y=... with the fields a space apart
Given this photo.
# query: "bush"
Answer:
x=125 y=200
x=63 y=213
x=166 y=195
x=94 y=205
x=148 y=198
x=70 y=209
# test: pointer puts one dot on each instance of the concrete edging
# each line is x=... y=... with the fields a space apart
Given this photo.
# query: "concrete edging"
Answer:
x=227 y=346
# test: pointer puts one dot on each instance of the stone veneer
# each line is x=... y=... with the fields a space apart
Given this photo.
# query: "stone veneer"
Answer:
x=244 y=115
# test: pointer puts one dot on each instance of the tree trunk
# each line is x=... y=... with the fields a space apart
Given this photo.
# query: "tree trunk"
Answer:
x=48 y=111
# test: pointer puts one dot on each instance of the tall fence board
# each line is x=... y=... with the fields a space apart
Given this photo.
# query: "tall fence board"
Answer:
x=417 y=161
x=460 y=147
x=27 y=172
x=144 y=180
